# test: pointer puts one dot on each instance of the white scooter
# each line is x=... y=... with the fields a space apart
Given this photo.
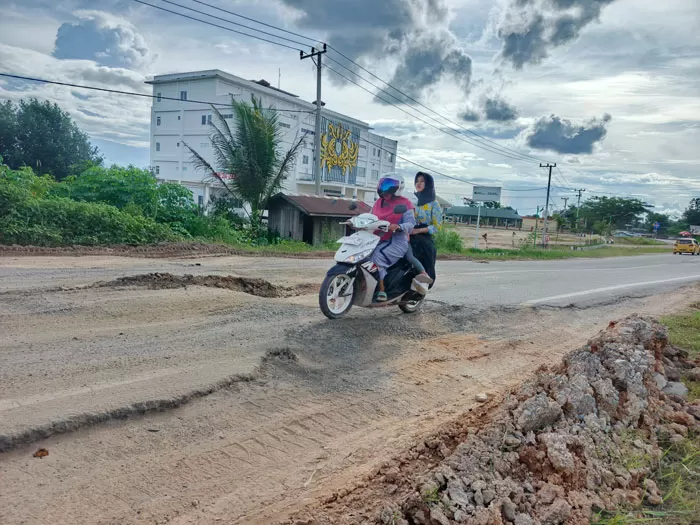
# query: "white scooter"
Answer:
x=354 y=279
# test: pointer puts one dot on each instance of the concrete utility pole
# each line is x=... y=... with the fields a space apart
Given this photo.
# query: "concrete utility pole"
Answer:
x=578 y=205
x=546 y=204
x=317 y=136
x=566 y=200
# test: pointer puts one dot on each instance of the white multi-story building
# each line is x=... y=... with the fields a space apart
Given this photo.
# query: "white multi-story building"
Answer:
x=181 y=113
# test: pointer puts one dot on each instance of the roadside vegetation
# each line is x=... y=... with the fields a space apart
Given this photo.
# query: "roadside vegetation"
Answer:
x=677 y=473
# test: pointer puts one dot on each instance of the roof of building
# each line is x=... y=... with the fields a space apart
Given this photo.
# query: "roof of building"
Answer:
x=323 y=206
x=444 y=203
x=497 y=213
x=255 y=85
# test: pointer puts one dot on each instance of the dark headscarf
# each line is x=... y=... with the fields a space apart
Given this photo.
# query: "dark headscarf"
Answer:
x=428 y=194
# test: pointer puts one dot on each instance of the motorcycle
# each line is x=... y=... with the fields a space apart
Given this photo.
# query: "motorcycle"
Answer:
x=354 y=279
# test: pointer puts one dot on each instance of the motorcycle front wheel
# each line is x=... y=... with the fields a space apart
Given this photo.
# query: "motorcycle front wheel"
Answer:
x=336 y=295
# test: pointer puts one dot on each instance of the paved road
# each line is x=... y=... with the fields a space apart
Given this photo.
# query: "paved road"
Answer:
x=75 y=355
x=559 y=283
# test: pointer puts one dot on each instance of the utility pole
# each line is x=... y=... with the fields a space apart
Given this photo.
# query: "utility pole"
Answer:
x=566 y=200
x=578 y=205
x=546 y=204
x=317 y=136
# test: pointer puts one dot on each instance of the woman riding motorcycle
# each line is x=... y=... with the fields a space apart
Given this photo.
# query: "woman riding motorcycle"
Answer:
x=394 y=243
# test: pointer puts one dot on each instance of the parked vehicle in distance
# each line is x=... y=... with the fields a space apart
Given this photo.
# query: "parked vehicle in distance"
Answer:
x=690 y=246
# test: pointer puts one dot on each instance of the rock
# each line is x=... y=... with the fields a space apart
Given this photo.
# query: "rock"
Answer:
x=523 y=519
x=683 y=418
x=694 y=374
x=557 y=453
x=538 y=412
x=676 y=388
x=438 y=517
x=694 y=410
x=660 y=380
x=557 y=513
x=508 y=510
x=679 y=429
x=512 y=442
x=672 y=373
x=654 y=499
x=479 y=498
x=482 y=397
x=549 y=493
x=489 y=496
x=479 y=485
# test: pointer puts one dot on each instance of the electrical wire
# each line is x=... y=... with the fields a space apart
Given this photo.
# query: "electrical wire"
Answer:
x=131 y=93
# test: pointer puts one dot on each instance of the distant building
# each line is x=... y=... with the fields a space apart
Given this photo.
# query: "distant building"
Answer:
x=489 y=216
x=354 y=158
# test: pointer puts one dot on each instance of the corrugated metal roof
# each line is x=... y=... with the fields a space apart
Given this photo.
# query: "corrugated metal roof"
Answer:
x=324 y=206
x=498 y=213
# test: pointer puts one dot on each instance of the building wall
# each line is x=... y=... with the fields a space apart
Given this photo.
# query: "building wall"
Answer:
x=175 y=123
x=286 y=220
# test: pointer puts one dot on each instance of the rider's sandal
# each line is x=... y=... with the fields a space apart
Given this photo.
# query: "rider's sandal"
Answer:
x=381 y=297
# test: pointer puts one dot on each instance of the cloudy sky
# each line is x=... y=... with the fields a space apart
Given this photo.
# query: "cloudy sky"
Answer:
x=607 y=89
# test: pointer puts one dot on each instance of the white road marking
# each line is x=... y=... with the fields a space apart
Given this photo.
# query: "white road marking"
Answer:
x=607 y=289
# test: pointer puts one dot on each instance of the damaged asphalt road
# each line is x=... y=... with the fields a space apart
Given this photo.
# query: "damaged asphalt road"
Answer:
x=237 y=380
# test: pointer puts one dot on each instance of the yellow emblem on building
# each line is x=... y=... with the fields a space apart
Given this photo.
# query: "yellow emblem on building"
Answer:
x=337 y=148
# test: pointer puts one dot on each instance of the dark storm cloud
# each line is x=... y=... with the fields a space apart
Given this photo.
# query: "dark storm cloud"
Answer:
x=413 y=32
x=499 y=110
x=563 y=136
x=469 y=115
x=530 y=28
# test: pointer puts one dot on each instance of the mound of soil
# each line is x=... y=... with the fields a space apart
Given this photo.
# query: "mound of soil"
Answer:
x=252 y=286
x=551 y=452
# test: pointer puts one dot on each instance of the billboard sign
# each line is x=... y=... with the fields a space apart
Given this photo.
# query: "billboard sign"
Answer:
x=487 y=194
x=695 y=230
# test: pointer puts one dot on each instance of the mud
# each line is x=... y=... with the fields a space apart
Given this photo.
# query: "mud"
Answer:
x=251 y=286
x=549 y=452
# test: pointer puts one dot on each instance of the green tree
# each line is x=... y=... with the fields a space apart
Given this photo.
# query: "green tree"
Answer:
x=663 y=219
x=43 y=136
x=618 y=212
x=250 y=161
x=692 y=213
x=8 y=131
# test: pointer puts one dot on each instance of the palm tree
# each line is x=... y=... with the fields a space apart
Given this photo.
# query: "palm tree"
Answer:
x=250 y=160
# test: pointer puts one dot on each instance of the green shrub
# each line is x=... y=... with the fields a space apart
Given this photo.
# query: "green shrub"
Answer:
x=448 y=240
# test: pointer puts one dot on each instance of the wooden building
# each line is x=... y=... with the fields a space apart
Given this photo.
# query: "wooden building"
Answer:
x=309 y=218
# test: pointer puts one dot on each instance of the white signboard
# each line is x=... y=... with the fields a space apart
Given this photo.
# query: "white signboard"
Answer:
x=487 y=194
x=695 y=230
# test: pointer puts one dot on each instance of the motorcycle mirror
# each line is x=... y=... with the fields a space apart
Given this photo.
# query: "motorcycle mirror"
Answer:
x=400 y=208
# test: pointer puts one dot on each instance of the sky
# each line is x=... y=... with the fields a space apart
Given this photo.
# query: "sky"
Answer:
x=485 y=90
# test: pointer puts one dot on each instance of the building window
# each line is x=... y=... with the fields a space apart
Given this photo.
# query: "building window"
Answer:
x=379 y=153
x=227 y=116
x=157 y=146
x=158 y=97
x=204 y=120
x=184 y=168
x=183 y=95
x=178 y=144
x=304 y=130
x=374 y=152
x=375 y=174
x=305 y=159
x=362 y=146
x=157 y=121
x=361 y=172
x=284 y=125
x=179 y=117
x=208 y=119
x=157 y=170
x=200 y=200
x=203 y=144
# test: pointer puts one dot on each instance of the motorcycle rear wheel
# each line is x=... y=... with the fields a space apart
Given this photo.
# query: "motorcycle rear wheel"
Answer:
x=336 y=295
x=411 y=307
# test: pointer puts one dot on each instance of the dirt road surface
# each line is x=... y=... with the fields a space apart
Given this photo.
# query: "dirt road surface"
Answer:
x=234 y=401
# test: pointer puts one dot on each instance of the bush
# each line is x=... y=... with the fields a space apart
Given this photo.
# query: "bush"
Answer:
x=448 y=241
x=27 y=219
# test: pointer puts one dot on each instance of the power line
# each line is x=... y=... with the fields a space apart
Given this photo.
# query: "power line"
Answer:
x=459 y=137
x=131 y=93
x=234 y=23
x=502 y=150
x=215 y=25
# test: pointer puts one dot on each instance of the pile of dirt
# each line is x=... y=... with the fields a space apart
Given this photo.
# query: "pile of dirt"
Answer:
x=252 y=286
x=552 y=452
